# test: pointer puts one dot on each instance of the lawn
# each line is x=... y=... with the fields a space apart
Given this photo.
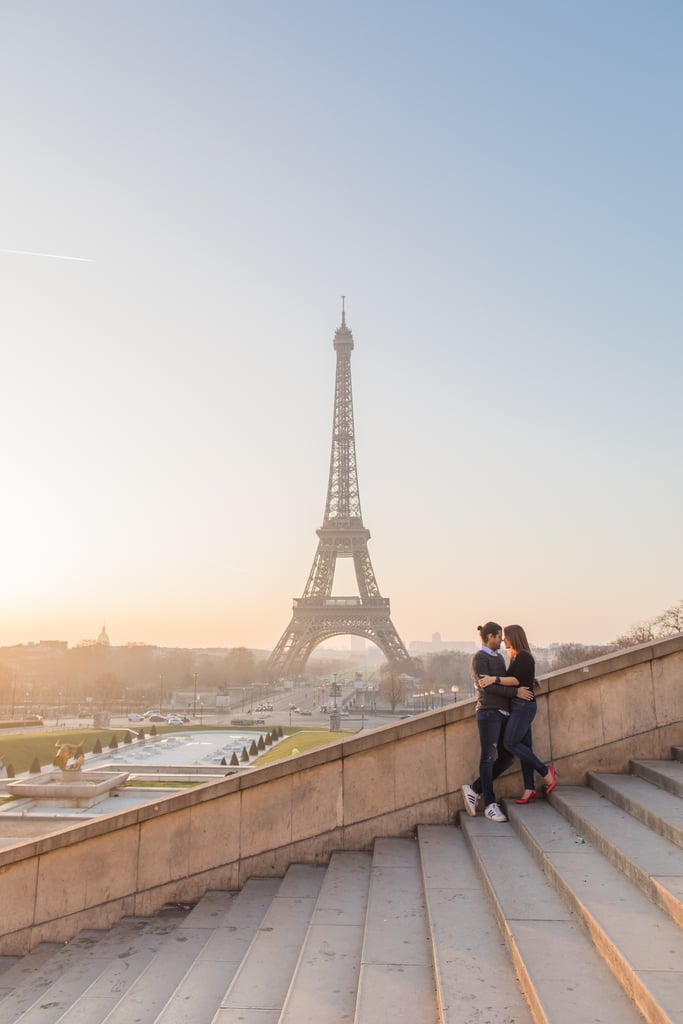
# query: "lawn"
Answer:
x=298 y=742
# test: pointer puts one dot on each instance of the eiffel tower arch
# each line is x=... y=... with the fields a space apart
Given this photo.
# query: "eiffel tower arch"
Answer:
x=317 y=615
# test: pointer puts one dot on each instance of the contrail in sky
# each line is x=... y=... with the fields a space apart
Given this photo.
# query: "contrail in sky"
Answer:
x=49 y=255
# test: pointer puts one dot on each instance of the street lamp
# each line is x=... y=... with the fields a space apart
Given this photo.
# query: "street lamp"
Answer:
x=455 y=690
x=441 y=693
x=334 y=713
x=432 y=695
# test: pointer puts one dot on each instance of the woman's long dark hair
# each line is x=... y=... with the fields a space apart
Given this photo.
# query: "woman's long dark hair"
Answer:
x=516 y=637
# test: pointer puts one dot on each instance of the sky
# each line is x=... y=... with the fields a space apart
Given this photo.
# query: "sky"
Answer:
x=495 y=188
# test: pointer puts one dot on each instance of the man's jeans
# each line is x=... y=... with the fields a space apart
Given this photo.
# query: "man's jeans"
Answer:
x=494 y=757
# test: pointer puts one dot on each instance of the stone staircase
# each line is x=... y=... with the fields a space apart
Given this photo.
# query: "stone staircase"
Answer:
x=570 y=912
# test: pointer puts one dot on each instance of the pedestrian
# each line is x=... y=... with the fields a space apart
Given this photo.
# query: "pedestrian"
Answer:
x=492 y=714
x=517 y=738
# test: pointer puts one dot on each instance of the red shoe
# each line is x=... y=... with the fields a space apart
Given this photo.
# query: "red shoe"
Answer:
x=527 y=799
x=553 y=780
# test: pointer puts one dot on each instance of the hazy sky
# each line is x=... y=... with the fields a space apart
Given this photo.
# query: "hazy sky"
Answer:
x=496 y=188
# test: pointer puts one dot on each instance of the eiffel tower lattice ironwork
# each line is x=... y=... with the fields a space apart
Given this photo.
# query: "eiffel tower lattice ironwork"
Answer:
x=317 y=615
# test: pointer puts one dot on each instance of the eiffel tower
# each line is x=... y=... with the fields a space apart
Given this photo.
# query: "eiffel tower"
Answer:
x=317 y=615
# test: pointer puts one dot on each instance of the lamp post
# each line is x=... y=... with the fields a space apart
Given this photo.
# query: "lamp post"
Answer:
x=194 y=702
x=455 y=690
x=334 y=714
x=441 y=693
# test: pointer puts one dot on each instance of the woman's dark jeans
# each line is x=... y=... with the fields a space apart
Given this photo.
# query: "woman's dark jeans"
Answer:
x=494 y=756
x=517 y=739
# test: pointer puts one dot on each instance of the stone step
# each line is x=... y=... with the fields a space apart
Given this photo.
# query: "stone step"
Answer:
x=396 y=981
x=259 y=988
x=643 y=855
x=199 y=992
x=323 y=989
x=146 y=999
x=665 y=774
x=660 y=810
x=92 y=961
x=30 y=970
x=562 y=976
x=472 y=966
x=5 y=963
x=638 y=941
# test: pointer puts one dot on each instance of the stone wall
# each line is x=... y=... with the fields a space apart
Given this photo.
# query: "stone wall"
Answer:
x=379 y=783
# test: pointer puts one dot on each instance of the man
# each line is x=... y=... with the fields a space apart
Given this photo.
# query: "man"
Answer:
x=493 y=712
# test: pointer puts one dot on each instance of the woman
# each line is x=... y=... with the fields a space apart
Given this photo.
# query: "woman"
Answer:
x=517 y=739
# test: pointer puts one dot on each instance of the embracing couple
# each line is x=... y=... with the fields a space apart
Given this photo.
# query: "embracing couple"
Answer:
x=505 y=710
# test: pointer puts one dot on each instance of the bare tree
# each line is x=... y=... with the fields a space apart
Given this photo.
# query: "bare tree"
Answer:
x=665 y=624
x=670 y=621
x=573 y=654
x=447 y=669
x=392 y=687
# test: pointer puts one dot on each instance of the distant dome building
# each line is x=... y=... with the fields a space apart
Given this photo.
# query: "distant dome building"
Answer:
x=103 y=640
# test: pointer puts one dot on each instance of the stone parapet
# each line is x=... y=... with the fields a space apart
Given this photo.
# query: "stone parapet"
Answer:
x=384 y=782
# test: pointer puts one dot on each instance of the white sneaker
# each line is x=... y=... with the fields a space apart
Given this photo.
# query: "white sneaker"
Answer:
x=471 y=800
x=494 y=813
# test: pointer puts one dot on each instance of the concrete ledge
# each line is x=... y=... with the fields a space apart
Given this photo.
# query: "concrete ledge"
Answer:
x=379 y=783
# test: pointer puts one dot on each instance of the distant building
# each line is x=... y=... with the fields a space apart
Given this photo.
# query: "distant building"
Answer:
x=436 y=644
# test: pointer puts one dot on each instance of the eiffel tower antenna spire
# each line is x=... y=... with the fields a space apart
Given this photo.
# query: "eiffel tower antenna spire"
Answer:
x=317 y=615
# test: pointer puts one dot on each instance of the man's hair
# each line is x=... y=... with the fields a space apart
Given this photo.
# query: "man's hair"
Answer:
x=488 y=629
x=516 y=637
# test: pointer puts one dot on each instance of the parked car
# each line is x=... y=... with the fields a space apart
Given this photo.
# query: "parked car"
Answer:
x=155 y=718
x=132 y=717
x=175 y=720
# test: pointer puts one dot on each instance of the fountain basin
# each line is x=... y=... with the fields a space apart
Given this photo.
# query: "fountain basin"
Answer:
x=68 y=789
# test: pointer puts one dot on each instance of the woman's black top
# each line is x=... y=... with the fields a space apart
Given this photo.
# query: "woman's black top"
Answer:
x=523 y=669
